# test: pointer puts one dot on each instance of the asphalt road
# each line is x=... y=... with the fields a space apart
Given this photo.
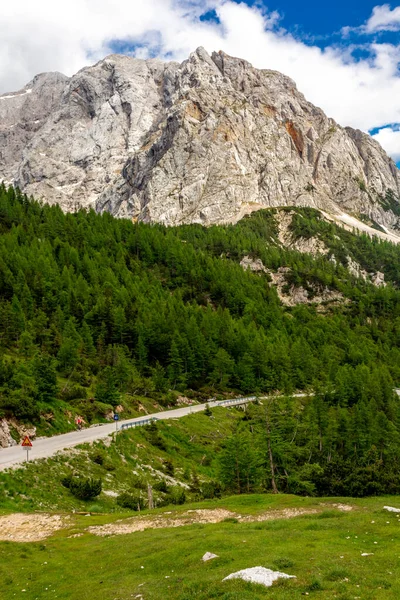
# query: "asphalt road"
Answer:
x=46 y=447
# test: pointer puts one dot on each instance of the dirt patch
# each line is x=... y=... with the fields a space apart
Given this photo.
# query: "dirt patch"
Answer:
x=342 y=507
x=286 y=513
x=202 y=516
x=20 y=527
x=166 y=520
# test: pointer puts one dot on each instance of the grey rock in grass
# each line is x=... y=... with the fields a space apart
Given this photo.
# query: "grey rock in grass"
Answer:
x=209 y=556
x=205 y=141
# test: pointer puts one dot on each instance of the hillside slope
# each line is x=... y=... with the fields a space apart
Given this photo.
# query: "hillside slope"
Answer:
x=98 y=313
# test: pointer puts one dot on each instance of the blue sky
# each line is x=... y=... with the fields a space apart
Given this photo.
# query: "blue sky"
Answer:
x=343 y=55
x=319 y=18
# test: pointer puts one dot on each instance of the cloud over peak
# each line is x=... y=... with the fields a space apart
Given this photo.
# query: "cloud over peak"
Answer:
x=358 y=89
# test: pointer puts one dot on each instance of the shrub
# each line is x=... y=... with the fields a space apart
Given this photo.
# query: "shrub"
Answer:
x=283 y=563
x=154 y=437
x=138 y=482
x=169 y=467
x=66 y=481
x=315 y=586
x=230 y=520
x=126 y=500
x=208 y=411
x=83 y=489
x=161 y=486
x=361 y=185
x=178 y=495
x=97 y=457
x=73 y=392
x=109 y=466
x=210 y=489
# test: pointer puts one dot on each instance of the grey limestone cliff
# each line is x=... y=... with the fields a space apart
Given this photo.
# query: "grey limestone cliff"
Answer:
x=206 y=141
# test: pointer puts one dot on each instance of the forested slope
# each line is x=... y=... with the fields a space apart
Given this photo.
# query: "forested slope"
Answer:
x=95 y=311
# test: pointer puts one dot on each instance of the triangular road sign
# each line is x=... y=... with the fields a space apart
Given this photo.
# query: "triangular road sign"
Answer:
x=26 y=441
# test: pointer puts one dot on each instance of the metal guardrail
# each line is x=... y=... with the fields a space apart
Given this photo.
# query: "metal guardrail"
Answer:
x=237 y=401
x=138 y=423
x=232 y=402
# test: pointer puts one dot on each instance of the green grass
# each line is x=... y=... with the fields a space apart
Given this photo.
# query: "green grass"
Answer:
x=323 y=552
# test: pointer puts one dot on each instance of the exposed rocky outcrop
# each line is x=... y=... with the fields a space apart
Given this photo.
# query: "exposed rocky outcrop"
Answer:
x=310 y=245
x=289 y=294
x=292 y=295
x=6 y=439
x=253 y=264
x=377 y=279
x=206 y=141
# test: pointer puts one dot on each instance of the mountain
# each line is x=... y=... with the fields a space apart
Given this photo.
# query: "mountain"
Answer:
x=206 y=141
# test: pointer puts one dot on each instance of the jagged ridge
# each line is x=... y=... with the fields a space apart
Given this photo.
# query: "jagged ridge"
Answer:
x=207 y=141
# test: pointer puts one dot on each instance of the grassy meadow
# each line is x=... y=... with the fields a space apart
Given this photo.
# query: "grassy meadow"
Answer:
x=324 y=552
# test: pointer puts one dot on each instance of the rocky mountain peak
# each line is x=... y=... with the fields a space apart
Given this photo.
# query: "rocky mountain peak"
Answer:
x=206 y=141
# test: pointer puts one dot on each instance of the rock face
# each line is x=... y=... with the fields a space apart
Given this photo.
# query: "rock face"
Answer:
x=206 y=141
x=6 y=438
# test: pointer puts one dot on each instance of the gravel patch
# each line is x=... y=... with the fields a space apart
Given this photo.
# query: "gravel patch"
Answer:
x=20 y=527
x=134 y=524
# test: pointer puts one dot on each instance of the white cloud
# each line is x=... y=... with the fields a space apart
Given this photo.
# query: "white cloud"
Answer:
x=389 y=138
x=47 y=35
x=383 y=19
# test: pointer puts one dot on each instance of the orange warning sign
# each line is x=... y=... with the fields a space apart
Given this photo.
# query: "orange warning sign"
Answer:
x=26 y=442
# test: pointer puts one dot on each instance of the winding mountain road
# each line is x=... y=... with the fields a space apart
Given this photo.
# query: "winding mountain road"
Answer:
x=46 y=447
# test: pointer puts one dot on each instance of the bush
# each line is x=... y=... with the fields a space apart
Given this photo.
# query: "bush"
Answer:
x=208 y=411
x=73 y=392
x=178 y=495
x=154 y=437
x=210 y=489
x=138 y=482
x=23 y=407
x=126 y=500
x=161 y=486
x=315 y=586
x=109 y=466
x=66 y=481
x=83 y=489
x=169 y=467
x=97 y=457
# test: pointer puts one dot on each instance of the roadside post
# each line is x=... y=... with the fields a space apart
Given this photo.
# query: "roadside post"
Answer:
x=116 y=419
x=27 y=444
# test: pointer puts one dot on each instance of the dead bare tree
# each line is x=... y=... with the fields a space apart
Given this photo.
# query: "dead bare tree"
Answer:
x=271 y=458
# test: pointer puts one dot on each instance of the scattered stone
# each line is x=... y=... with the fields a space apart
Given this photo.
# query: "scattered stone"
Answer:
x=209 y=556
x=259 y=575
